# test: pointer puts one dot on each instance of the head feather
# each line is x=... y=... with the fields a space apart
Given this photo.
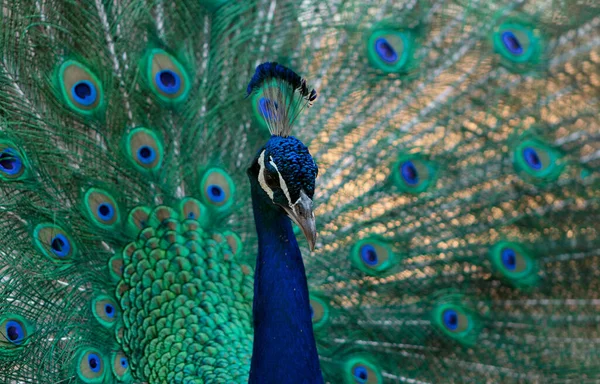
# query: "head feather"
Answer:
x=284 y=95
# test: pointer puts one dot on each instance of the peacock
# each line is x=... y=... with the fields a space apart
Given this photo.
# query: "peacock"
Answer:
x=277 y=191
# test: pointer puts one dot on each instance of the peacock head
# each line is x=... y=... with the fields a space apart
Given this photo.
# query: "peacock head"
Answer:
x=285 y=174
x=283 y=171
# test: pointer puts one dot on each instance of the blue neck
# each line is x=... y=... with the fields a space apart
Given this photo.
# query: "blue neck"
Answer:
x=284 y=348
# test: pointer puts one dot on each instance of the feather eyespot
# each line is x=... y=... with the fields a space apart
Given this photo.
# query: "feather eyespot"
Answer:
x=369 y=254
x=168 y=81
x=115 y=267
x=54 y=242
x=192 y=209
x=532 y=159
x=360 y=373
x=144 y=149
x=511 y=43
x=410 y=174
x=372 y=256
x=385 y=50
x=90 y=365
x=146 y=154
x=137 y=219
x=84 y=92
x=455 y=321
x=509 y=259
x=234 y=242
x=413 y=174
x=14 y=331
x=81 y=89
x=361 y=370
x=217 y=189
x=215 y=193
x=105 y=310
x=519 y=45
x=101 y=208
x=514 y=264
x=451 y=319
x=167 y=78
x=120 y=366
x=319 y=312
x=12 y=162
x=536 y=160
x=390 y=50
x=60 y=245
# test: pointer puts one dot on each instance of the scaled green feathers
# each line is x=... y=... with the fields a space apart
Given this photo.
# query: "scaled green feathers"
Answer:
x=458 y=189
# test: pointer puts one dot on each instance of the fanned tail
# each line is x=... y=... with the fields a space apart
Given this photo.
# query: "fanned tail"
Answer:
x=458 y=191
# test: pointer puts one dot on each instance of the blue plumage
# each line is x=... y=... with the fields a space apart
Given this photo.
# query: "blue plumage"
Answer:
x=14 y=332
x=509 y=259
x=168 y=81
x=531 y=157
x=369 y=254
x=84 y=92
x=385 y=50
x=60 y=245
x=277 y=71
x=511 y=42
x=282 y=178
x=10 y=163
x=410 y=173
x=284 y=348
x=450 y=318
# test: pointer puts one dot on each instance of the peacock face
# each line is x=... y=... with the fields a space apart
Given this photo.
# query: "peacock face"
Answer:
x=286 y=173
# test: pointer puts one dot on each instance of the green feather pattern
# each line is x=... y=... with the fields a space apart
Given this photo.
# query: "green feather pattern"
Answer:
x=457 y=200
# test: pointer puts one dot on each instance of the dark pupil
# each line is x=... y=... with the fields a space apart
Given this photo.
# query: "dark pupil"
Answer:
x=83 y=90
x=93 y=363
x=411 y=172
x=123 y=362
x=167 y=78
x=13 y=333
x=363 y=375
x=533 y=158
x=216 y=191
x=387 y=50
x=58 y=244
x=108 y=309
x=104 y=210
x=452 y=319
x=7 y=160
x=513 y=43
x=511 y=260
x=371 y=255
x=145 y=152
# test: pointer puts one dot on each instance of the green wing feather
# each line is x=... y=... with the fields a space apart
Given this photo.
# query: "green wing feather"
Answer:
x=457 y=200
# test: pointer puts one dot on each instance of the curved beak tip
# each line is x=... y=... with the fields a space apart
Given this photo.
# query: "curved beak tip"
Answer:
x=302 y=214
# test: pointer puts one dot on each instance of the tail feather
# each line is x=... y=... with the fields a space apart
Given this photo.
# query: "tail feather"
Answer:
x=457 y=192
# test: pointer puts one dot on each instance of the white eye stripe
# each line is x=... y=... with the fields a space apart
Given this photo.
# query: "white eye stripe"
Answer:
x=261 y=176
x=282 y=183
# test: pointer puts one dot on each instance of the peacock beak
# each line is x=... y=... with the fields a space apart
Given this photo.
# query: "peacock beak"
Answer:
x=302 y=214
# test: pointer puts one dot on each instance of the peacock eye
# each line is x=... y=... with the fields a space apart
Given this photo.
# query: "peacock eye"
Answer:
x=271 y=179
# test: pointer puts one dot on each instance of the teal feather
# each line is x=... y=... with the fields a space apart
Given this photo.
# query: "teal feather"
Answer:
x=456 y=201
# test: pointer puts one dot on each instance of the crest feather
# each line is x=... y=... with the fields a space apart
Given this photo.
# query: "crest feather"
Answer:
x=283 y=95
